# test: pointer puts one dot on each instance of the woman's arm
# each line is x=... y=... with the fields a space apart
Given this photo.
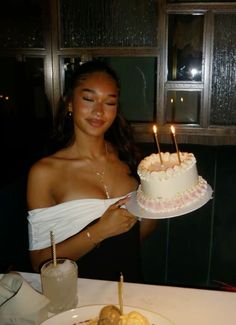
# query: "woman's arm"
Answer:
x=73 y=247
x=113 y=222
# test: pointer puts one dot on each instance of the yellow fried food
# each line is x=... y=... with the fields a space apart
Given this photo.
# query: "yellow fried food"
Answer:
x=133 y=318
x=109 y=315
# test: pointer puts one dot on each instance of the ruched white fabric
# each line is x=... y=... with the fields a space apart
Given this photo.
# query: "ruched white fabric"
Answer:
x=64 y=219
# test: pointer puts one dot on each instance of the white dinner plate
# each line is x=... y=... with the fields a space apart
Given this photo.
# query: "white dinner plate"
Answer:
x=79 y=315
x=133 y=207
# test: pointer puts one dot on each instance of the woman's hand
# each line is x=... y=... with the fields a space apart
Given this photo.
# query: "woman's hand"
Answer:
x=115 y=221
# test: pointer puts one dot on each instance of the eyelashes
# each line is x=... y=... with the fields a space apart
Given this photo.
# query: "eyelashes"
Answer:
x=91 y=100
x=88 y=99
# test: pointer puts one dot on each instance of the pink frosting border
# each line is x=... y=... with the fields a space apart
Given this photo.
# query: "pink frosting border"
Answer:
x=167 y=205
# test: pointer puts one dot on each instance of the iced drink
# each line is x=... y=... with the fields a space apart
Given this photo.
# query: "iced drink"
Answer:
x=59 y=284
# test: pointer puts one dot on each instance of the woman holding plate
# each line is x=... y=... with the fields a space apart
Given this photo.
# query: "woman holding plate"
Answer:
x=79 y=192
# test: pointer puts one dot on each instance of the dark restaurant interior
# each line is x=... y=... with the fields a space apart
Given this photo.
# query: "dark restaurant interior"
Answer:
x=177 y=64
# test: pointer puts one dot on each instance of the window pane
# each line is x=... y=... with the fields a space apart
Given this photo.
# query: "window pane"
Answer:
x=223 y=97
x=22 y=88
x=25 y=115
x=21 y=24
x=185 y=42
x=138 y=83
x=69 y=65
x=106 y=23
x=174 y=1
x=183 y=107
x=137 y=76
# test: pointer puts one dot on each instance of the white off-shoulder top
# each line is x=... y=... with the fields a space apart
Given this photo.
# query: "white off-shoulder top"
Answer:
x=64 y=219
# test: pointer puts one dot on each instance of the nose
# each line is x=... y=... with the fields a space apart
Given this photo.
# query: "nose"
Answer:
x=98 y=109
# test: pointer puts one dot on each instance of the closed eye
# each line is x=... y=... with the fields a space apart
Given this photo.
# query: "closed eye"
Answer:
x=88 y=99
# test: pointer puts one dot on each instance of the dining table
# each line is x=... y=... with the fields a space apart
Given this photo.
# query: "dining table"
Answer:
x=181 y=305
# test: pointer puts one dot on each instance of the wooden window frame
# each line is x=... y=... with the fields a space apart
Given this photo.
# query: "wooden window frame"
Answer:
x=200 y=134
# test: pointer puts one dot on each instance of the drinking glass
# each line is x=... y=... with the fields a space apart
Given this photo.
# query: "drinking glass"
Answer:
x=59 y=284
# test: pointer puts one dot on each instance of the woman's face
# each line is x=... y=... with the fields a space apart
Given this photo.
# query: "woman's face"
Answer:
x=95 y=103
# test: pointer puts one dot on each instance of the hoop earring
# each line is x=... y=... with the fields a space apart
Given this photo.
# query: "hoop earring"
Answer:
x=69 y=114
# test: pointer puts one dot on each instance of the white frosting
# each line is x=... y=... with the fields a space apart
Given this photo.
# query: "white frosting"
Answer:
x=169 y=186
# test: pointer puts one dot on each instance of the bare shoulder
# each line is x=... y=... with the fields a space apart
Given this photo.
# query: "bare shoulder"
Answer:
x=49 y=164
x=41 y=181
x=42 y=167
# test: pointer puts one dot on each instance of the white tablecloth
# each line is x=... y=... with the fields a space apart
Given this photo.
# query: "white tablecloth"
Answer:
x=181 y=305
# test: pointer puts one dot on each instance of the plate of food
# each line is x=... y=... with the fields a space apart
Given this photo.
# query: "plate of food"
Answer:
x=108 y=315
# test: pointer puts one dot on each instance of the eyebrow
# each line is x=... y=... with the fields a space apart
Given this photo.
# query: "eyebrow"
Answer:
x=93 y=92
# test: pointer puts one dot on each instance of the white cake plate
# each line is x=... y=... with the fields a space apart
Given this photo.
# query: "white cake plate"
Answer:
x=133 y=207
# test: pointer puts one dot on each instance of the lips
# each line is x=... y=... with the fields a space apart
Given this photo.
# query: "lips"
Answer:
x=96 y=122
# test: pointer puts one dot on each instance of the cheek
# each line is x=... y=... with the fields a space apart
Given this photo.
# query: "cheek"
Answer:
x=111 y=114
x=80 y=110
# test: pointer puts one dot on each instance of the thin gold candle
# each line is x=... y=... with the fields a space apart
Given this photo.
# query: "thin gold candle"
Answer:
x=157 y=143
x=176 y=145
x=120 y=292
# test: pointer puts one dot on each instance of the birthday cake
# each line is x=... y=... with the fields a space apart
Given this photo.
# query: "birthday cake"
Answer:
x=169 y=183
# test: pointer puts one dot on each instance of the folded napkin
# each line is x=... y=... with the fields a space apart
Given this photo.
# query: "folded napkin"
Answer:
x=20 y=304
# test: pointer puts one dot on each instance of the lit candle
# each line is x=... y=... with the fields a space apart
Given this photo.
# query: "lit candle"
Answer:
x=176 y=146
x=157 y=142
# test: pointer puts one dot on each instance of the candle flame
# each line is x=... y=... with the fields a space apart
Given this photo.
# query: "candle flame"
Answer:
x=155 y=129
x=176 y=145
x=172 y=129
x=157 y=142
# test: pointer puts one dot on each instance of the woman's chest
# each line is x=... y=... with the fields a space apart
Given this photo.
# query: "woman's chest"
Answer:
x=87 y=181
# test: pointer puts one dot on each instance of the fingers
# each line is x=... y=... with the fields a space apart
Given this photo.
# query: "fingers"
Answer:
x=121 y=202
x=131 y=219
x=124 y=219
x=118 y=205
x=115 y=206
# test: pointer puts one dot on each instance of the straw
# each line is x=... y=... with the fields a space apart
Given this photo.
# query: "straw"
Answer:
x=54 y=257
x=120 y=292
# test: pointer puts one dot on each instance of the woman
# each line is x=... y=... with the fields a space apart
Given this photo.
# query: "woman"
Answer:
x=80 y=191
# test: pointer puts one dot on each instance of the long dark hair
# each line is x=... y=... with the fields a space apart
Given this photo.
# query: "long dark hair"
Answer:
x=120 y=134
